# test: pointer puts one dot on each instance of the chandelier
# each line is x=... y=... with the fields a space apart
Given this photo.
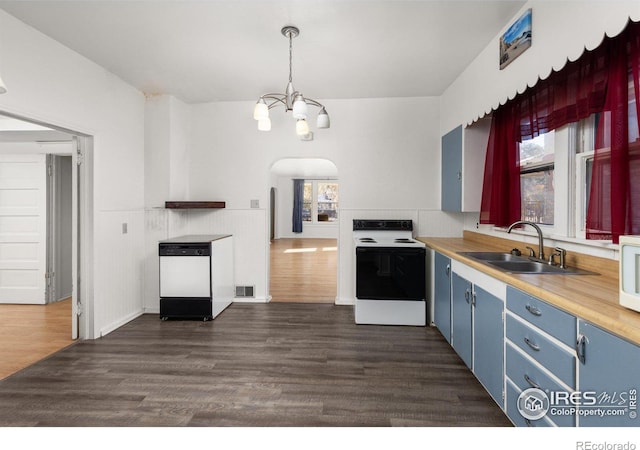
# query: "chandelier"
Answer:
x=292 y=100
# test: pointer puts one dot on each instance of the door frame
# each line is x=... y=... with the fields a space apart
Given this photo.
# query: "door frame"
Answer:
x=82 y=226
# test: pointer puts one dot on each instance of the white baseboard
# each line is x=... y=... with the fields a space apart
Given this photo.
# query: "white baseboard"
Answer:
x=117 y=324
x=252 y=300
x=345 y=301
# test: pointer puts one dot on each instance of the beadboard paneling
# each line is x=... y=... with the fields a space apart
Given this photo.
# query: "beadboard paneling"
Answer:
x=119 y=269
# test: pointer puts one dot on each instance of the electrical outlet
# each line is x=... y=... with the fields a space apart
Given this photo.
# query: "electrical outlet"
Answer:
x=255 y=203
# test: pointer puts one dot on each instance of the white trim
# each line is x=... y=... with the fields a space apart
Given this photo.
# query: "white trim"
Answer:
x=345 y=301
x=118 y=323
x=581 y=192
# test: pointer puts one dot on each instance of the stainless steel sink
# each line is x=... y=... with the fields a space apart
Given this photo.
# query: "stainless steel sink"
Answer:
x=521 y=265
x=526 y=267
x=492 y=256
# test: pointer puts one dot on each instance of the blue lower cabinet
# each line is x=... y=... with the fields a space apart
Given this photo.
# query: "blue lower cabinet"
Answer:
x=556 y=358
x=488 y=342
x=608 y=378
x=461 y=336
x=524 y=373
x=442 y=295
x=514 y=411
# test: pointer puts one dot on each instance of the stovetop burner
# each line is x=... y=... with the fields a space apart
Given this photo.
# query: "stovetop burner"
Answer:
x=384 y=233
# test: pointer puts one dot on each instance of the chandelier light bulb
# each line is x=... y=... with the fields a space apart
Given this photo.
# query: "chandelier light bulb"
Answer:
x=302 y=127
x=299 y=107
x=261 y=110
x=264 y=124
x=323 y=119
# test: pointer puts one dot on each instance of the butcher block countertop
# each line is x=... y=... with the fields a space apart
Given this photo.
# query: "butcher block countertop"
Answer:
x=593 y=298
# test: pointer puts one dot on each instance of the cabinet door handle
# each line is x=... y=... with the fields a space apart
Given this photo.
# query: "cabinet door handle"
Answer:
x=533 y=310
x=459 y=175
x=581 y=345
x=531 y=382
x=448 y=270
x=467 y=294
x=532 y=344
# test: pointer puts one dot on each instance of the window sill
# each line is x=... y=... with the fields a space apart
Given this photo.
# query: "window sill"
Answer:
x=604 y=249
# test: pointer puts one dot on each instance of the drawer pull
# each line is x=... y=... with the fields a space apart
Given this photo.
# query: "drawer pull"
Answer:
x=531 y=344
x=531 y=382
x=533 y=310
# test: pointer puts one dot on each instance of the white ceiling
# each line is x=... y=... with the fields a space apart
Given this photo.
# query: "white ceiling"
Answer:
x=222 y=50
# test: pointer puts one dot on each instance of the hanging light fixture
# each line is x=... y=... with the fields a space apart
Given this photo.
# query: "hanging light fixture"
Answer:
x=292 y=100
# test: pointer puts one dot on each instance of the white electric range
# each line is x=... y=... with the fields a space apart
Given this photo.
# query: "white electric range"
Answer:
x=390 y=273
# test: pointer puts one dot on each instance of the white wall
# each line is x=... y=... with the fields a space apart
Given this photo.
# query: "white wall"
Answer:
x=52 y=84
x=166 y=150
x=387 y=152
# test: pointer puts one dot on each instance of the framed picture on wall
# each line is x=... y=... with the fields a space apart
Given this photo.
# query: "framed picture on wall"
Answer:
x=516 y=39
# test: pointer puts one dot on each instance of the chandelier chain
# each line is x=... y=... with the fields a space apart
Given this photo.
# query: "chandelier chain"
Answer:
x=290 y=57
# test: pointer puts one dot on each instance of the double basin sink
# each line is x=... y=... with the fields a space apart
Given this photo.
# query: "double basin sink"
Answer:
x=514 y=264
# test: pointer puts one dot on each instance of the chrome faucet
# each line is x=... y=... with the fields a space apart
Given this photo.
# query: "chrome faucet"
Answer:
x=538 y=230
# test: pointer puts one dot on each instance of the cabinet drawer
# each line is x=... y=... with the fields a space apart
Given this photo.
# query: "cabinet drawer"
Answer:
x=557 y=323
x=524 y=373
x=513 y=413
x=549 y=354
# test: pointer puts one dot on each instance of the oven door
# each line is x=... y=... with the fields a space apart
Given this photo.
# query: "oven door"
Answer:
x=390 y=273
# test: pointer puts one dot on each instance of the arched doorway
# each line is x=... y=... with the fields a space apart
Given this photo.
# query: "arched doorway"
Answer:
x=304 y=264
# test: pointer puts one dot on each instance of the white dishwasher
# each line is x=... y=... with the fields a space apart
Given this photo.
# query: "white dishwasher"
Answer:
x=196 y=276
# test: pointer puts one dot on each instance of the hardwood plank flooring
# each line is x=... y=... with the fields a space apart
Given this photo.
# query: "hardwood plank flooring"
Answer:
x=303 y=270
x=29 y=333
x=261 y=365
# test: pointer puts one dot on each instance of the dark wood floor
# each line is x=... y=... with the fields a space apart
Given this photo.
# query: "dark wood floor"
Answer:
x=283 y=364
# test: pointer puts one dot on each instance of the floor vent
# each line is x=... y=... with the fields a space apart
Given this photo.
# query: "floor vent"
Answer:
x=245 y=291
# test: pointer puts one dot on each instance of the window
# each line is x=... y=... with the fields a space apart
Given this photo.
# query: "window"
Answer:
x=320 y=202
x=536 y=179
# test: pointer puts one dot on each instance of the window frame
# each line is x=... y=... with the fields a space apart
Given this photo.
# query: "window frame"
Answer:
x=565 y=145
x=314 y=202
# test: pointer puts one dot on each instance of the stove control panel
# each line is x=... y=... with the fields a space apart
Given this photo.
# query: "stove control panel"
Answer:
x=382 y=225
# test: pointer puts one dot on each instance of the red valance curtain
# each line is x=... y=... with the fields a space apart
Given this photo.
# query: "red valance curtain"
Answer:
x=581 y=88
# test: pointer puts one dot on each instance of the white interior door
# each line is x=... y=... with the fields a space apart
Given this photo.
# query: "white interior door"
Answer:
x=23 y=228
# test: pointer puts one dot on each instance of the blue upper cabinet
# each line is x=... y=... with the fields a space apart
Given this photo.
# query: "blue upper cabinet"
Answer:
x=609 y=378
x=451 y=192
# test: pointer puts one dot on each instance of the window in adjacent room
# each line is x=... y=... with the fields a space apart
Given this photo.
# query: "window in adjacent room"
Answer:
x=320 y=201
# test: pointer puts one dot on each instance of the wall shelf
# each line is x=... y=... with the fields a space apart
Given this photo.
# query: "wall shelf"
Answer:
x=194 y=205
